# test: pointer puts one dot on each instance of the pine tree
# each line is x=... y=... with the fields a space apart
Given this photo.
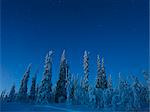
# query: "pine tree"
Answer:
x=69 y=82
x=72 y=98
x=36 y=91
x=101 y=81
x=85 y=84
x=137 y=87
x=61 y=90
x=85 y=81
x=78 y=93
x=104 y=81
x=22 y=95
x=12 y=94
x=45 y=89
x=109 y=85
x=108 y=93
x=146 y=75
x=33 y=90
x=99 y=97
x=116 y=94
x=124 y=95
x=99 y=75
x=2 y=96
x=92 y=100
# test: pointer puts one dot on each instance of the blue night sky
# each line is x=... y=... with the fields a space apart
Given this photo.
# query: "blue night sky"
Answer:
x=115 y=29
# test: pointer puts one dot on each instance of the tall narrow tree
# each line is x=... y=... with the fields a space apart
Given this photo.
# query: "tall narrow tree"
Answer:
x=2 y=96
x=33 y=89
x=72 y=98
x=45 y=89
x=69 y=82
x=86 y=71
x=22 y=95
x=109 y=84
x=12 y=94
x=85 y=82
x=61 y=91
x=99 y=75
x=104 y=80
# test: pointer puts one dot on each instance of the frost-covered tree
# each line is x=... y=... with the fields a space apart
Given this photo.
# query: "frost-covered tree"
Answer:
x=108 y=93
x=101 y=81
x=101 y=84
x=107 y=97
x=123 y=96
x=109 y=82
x=115 y=99
x=45 y=89
x=92 y=96
x=147 y=86
x=36 y=92
x=137 y=89
x=22 y=95
x=61 y=90
x=72 y=97
x=99 y=75
x=126 y=97
x=53 y=93
x=32 y=95
x=99 y=97
x=85 y=83
x=116 y=94
x=2 y=96
x=103 y=73
x=69 y=82
x=12 y=94
x=78 y=94
x=68 y=74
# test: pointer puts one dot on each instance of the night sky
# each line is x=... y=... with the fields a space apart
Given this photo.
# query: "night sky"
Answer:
x=115 y=29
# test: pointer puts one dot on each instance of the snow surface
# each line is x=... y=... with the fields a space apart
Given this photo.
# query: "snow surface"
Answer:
x=20 y=107
x=35 y=108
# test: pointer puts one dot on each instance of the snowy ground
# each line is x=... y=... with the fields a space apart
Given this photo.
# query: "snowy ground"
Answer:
x=35 y=108
x=53 y=108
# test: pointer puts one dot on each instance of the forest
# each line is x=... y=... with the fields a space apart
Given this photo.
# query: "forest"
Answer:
x=127 y=95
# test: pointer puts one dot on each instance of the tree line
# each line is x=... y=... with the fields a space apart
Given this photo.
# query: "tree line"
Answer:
x=74 y=90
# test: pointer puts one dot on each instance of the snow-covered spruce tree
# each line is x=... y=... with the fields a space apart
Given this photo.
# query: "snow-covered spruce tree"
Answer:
x=12 y=94
x=85 y=84
x=126 y=100
x=92 y=96
x=101 y=81
x=53 y=93
x=69 y=82
x=78 y=93
x=2 y=96
x=109 y=82
x=72 y=98
x=32 y=96
x=85 y=81
x=22 y=95
x=116 y=95
x=123 y=96
x=45 y=89
x=146 y=92
x=137 y=89
x=108 y=93
x=99 y=75
x=61 y=90
x=36 y=92
x=6 y=97
x=104 y=80
x=99 y=98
